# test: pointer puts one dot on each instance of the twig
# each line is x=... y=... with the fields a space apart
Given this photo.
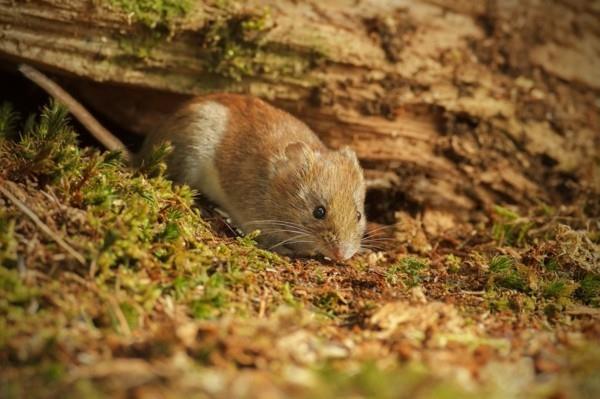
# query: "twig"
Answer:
x=91 y=124
x=42 y=226
x=477 y=293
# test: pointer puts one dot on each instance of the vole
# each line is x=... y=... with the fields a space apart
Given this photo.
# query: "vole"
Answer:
x=265 y=168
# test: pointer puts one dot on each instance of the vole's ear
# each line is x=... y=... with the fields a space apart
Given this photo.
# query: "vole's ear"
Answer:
x=295 y=156
x=299 y=152
x=350 y=154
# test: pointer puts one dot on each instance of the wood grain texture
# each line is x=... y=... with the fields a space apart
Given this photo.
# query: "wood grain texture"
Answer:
x=464 y=105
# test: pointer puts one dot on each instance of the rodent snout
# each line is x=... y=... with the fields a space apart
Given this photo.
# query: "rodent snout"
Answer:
x=342 y=252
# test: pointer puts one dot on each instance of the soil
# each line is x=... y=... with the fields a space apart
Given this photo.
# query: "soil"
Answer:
x=481 y=282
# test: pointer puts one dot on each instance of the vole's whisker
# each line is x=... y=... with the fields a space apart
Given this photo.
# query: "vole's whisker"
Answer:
x=276 y=223
x=285 y=241
x=386 y=226
x=286 y=230
x=272 y=221
x=283 y=226
x=379 y=229
x=372 y=247
x=371 y=243
x=275 y=231
x=301 y=242
x=271 y=231
x=378 y=240
x=374 y=236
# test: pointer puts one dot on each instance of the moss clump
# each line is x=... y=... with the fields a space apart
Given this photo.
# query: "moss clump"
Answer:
x=155 y=13
x=140 y=46
x=589 y=290
x=501 y=264
x=368 y=380
x=558 y=288
x=453 y=263
x=157 y=19
x=159 y=294
x=413 y=269
x=142 y=239
x=236 y=47
x=505 y=273
x=509 y=227
x=234 y=42
x=8 y=120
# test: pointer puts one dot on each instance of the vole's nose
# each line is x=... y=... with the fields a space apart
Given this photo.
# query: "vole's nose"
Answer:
x=341 y=252
x=337 y=254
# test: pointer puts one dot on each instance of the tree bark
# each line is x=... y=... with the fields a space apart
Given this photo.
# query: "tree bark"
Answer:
x=452 y=106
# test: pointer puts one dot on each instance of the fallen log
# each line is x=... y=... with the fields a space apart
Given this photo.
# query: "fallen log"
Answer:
x=452 y=107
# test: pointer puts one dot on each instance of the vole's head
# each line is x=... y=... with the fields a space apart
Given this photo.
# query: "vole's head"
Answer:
x=321 y=196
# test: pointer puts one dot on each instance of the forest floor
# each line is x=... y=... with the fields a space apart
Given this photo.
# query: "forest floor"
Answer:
x=112 y=283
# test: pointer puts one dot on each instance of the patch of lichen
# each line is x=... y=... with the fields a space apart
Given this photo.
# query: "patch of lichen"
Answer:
x=233 y=41
x=236 y=47
x=140 y=45
x=156 y=21
x=155 y=13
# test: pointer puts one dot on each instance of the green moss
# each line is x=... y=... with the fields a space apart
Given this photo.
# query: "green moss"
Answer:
x=412 y=268
x=214 y=298
x=512 y=281
x=501 y=264
x=157 y=19
x=589 y=289
x=453 y=263
x=328 y=303
x=369 y=380
x=234 y=42
x=8 y=120
x=141 y=45
x=551 y=264
x=509 y=227
x=236 y=47
x=558 y=288
x=155 y=13
x=131 y=314
x=140 y=235
x=517 y=302
x=152 y=264
x=12 y=289
x=288 y=295
x=506 y=274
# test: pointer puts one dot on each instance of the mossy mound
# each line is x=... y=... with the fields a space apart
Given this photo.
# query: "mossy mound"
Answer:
x=112 y=283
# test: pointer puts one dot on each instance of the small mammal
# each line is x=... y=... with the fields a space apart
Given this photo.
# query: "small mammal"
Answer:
x=265 y=168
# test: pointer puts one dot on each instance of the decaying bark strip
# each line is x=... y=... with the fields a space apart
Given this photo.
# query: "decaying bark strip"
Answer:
x=457 y=106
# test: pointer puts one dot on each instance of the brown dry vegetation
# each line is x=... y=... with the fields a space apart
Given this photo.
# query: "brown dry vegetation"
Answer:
x=478 y=128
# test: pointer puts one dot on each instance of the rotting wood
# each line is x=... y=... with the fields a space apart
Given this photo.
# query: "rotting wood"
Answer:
x=461 y=123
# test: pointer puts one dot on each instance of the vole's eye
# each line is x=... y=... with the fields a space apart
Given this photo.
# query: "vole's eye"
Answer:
x=319 y=212
x=358 y=216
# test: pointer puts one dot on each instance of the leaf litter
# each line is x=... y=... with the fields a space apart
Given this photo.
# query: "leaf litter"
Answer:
x=166 y=305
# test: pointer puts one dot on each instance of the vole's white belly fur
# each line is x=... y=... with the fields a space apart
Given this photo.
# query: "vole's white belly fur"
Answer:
x=209 y=124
